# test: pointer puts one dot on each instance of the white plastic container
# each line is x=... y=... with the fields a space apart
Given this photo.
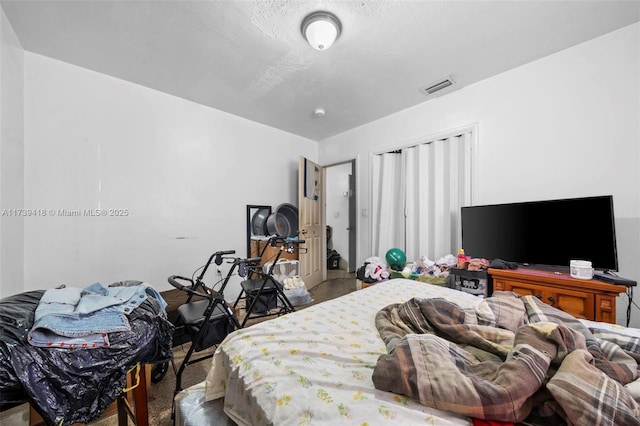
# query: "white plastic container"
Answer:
x=581 y=269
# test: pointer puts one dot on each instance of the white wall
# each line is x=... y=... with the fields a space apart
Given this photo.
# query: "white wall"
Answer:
x=11 y=160
x=337 y=209
x=567 y=125
x=182 y=173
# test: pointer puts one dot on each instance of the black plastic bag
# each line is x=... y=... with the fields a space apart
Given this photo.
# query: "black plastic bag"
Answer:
x=69 y=386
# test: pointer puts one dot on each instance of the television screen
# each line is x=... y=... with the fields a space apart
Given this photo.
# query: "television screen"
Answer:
x=551 y=232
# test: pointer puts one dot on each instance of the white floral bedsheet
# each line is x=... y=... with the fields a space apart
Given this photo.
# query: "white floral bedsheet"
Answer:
x=314 y=366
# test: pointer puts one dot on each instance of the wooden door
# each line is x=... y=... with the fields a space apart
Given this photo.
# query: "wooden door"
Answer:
x=311 y=222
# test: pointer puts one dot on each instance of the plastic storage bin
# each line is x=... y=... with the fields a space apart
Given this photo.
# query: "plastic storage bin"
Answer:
x=477 y=283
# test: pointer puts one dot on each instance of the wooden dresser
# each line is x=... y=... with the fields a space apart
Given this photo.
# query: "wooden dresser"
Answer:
x=587 y=299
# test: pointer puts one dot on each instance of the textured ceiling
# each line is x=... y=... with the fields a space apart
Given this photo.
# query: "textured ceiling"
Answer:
x=248 y=58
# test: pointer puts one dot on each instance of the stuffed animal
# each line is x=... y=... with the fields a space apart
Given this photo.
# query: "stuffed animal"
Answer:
x=376 y=268
x=293 y=282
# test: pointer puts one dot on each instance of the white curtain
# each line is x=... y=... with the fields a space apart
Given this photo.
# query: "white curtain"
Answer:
x=434 y=184
x=387 y=203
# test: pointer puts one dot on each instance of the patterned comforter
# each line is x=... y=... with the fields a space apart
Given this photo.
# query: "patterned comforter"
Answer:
x=510 y=359
x=313 y=366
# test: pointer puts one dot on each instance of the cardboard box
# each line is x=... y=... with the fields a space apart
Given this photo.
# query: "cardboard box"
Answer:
x=269 y=253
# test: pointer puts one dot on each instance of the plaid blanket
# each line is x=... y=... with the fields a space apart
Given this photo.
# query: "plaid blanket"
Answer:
x=513 y=359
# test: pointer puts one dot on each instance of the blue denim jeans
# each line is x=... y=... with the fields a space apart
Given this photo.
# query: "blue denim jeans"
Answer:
x=83 y=318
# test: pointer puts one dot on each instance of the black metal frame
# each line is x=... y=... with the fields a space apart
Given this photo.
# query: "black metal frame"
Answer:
x=254 y=288
x=214 y=301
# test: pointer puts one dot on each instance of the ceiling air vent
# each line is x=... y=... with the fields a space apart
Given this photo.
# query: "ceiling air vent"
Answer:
x=434 y=87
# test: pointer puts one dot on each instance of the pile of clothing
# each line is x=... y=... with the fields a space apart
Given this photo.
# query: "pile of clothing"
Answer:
x=439 y=268
x=67 y=351
x=375 y=269
x=70 y=317
x=474 y=264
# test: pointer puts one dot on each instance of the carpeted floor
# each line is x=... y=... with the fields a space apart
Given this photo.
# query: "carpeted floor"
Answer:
x=161 y=394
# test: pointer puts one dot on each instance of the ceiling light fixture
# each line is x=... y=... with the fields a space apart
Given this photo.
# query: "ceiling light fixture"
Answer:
x=319 y=112
x=321 y=29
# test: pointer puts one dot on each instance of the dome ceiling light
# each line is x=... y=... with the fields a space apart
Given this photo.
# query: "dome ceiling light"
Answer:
x=319 y=112
x=321 y=29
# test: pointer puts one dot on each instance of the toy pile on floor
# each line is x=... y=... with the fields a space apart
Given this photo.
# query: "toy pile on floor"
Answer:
x=442 y=267
x=439 y=268
x=376 y=269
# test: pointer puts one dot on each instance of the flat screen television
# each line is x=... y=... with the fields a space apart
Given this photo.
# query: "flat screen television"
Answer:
x=543 y=233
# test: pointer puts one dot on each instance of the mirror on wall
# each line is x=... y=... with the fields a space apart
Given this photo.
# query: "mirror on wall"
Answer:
x=256 y=226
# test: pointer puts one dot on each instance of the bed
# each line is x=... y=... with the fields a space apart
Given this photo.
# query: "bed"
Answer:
x=359 y=359
x=75 y=385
